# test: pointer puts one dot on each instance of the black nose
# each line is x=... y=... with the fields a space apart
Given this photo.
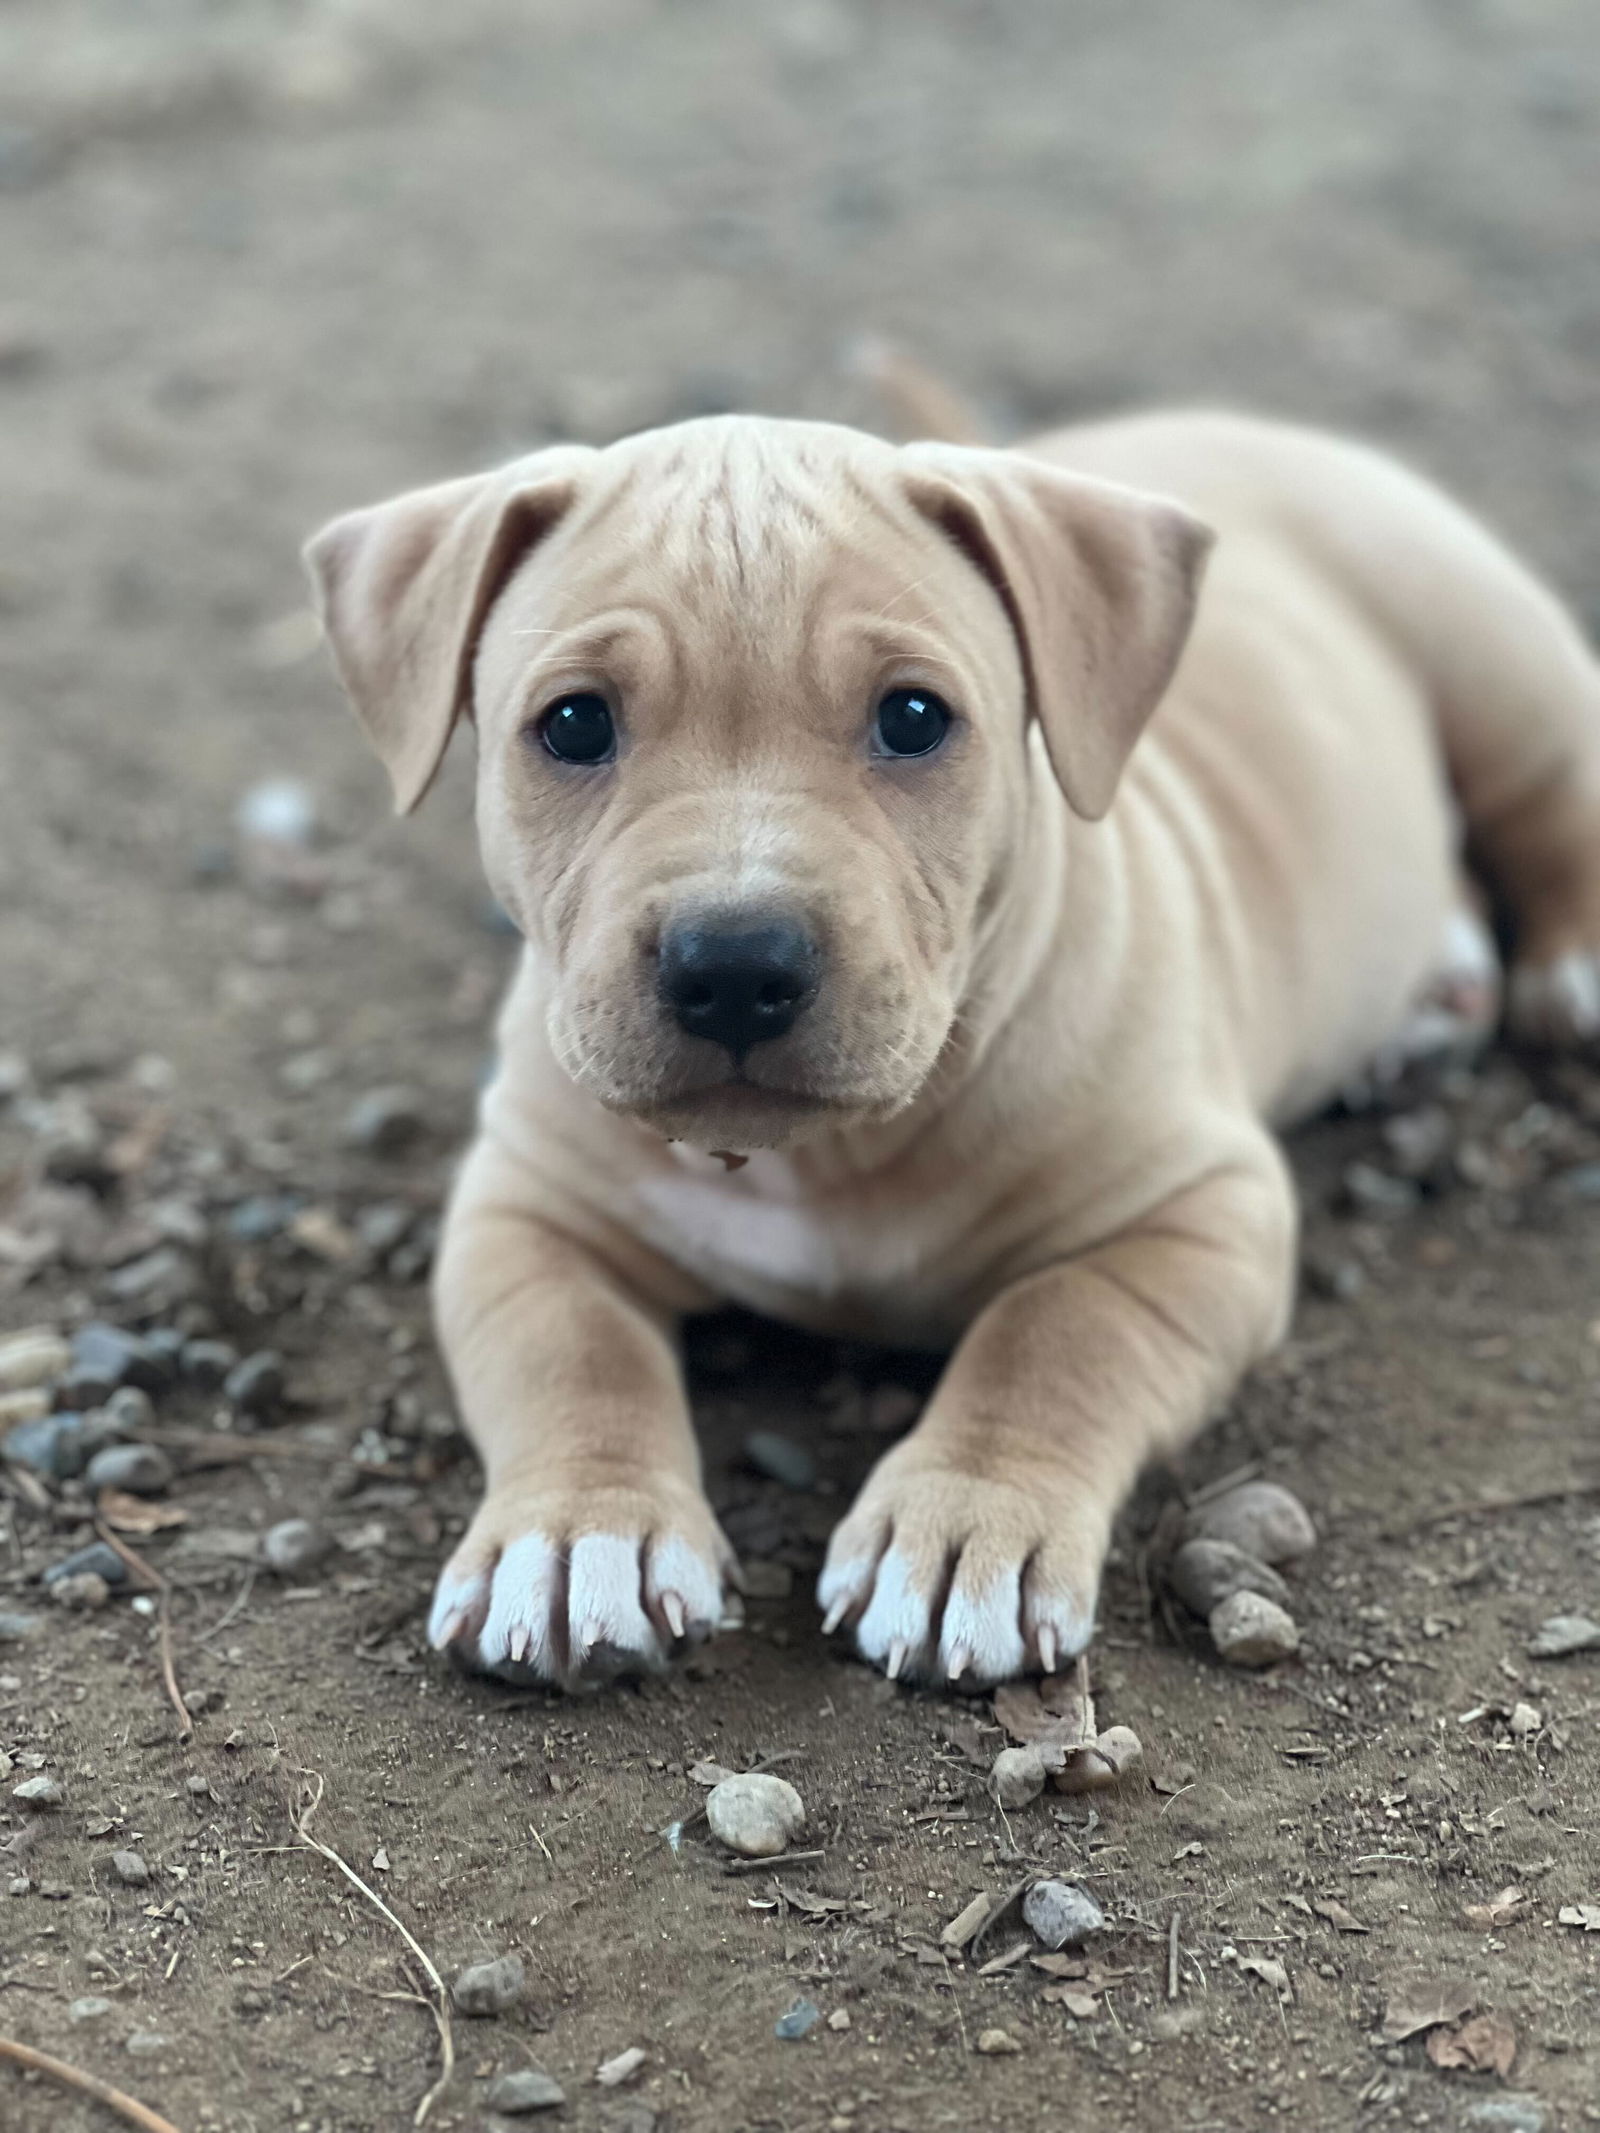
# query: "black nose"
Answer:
x=738 y=984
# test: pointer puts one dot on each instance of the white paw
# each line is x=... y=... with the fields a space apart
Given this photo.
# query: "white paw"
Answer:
x=1557 y=1004
x=947 y=1578
x=580 y=1587
x=1453 y=1016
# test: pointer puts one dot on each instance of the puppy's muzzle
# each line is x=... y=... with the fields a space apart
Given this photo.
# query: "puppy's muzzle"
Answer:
x=738 y=980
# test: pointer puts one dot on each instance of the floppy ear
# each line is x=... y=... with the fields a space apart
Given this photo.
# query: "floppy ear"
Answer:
x=1099 y=583
x=403 y=590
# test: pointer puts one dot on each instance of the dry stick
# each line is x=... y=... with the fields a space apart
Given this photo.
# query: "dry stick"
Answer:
x=156 y=1582
x=439 y=2007
x=73 y=2077
x=1172 y=1957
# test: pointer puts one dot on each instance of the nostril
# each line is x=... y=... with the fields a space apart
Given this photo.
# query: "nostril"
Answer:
x=696 y=999
x=778 y=992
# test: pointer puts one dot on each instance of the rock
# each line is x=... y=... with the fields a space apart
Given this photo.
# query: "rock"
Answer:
x=89 y=2009
x=97 y=1559
x=780 y=1459
x=103 y=1358
x=1060 y=1913
x=1204 y=1573
x=85 y=1593
x=39 y=1792
x=1562 y=1635
x=1524 y=1721
x=52 y=1447
x=277 y=811
x=526 y=2090
x=295 y=1545
x=1017 y=1777
x=797 y=2021
x=139 y=1469
x=35 y=1357
x=1260 y=1518
x=1335 y=1276
x=17 y=1629
x=614 y=2072
x=1106 y=1761
x=385 y=1121
x=129 y=1867
x=129 y=1409
x=1515 y=2112
x=263 y=1216
x=207 y=1363
x=1421 y=1143
x=256 y=1385
x=158 y=1280
x=490 y=1988
x=147 y=2043
x=1371 y=1191
x=1250 y=1631
x=30 y=1406
x=755 y=1814
x=996 y=2043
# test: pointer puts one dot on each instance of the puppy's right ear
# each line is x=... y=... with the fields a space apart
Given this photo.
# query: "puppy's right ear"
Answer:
x=404 y=589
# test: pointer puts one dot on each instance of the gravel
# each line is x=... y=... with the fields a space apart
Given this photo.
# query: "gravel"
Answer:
x=1250 y=1631
x=385 y=1121
x=1204 y=1573
x=526 y=2090
x=755 y=1814
x=1017 y=1777
x=139 y=1469
x=52 y=1447
x=491 y=1988
x=207 y=1363
x=780 y=1459
x=294 y=1546
x=1260 y=1518
x=256 y=1385
x=1061 y=1914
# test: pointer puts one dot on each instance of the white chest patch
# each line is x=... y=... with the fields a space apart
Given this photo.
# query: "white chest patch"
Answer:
x=746 y=1235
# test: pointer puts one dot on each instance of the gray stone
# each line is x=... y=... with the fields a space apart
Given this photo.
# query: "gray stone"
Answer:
x=1250 y=1631
x=89 y=2009
x=159 y=1279
x=1514 y=2112
x=1204 y=1573
x=780 y=1459
x=52 y=1447
x=293 y=1546
x=490 y=1988
x=207 y=1363
x=255 y=1386
x=1562 y=1635
x=129 y=1408
x=1371 y=1191
x=97 y=1559
x=1421 y=1143
x=526 y=2090
x=148 y=2043
x=129 y=1867
x=1060 y=1913
x=85 y=1592
x=755 y=1814
x=263 y=1216
x=279 y=811
x=1260 y=1517
x=17 y=1629
x=797 y=2020
x=385 y=1121
x=139 y=1469
x=30 y=1359
x=104 y=1357
x=1017 y=1777
x=38 y=1792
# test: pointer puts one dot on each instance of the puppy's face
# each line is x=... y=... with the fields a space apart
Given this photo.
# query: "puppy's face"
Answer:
x=752 y=702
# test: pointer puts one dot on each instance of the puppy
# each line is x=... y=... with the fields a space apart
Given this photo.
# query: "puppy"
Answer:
x=935 y=895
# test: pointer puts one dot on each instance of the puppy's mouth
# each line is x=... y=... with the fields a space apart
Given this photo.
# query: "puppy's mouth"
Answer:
x=738 y=1114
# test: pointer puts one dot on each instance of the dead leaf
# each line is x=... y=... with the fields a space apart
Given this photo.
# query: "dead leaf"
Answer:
x=708 y=1774
x=1586 y=1916
x=1498 y=1911
x=1081 y=2004
x=132 y=1514
x=1485 y=2045
x=1425 y=2003
x=813 y=1906
x=1271 y=1972
x=1055 y=1714
x=1342 y=1921
x=1074 y=1966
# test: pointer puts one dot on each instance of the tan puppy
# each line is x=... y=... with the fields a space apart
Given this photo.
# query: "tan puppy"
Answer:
x=812 y=770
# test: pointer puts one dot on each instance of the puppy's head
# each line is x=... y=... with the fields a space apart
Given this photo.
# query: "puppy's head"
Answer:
x=753 y=703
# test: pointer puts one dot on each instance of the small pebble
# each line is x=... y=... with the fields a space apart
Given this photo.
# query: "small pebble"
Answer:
x=1017 y=1777
x=1060 y=1913
x=385 y=1121
x=996 y=2043
x=255 y=1386
x=620 y=2069
x=1204 y=1573
x=85 y=1593
x=277 y=811
x=130 y=1867
x=294 y=1546
x=1421 y=1143
x=30 y=1406
x=129 y=1409
x=780 y=1459
x=17 y=1629
x=104 y=1357
x=97 y=1558
x=263 y=1216
x=840 y=2018
x=207 y=1363
x=1371 y=1191
x=1340 y=1279
x=524 y=2091
x=1518 y=2112
x=159 y=1280
x=1260 y=1518
x=1250 y=1631
x=490 y=1988
x=148 y=2043
x=1524 y=1720
x=89 y=2009
x=139 y=1469
x=38 y=1792
x=31 y=1359
x=755 y=1814
x=797 y=2021
x=52 y=1446
x=1562 y=1635
x=1106 y=1761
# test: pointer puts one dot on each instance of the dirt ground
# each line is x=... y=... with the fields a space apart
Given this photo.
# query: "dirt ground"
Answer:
x=262 y=261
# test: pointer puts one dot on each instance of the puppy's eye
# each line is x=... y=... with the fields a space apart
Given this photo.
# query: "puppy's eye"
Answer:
x=579 y=729
x=910 y=722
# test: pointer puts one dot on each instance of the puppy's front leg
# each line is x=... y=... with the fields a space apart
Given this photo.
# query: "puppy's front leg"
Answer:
x=974 y=1551
x=594 y=1550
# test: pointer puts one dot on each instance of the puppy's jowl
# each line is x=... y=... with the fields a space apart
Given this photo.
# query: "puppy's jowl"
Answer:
x=938 y=828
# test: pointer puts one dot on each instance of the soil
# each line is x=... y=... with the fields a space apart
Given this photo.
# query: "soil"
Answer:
x=264 y=261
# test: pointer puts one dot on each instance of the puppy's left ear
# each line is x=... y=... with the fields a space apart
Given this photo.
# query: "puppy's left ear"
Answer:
x=1099 y=583
x=404 y=589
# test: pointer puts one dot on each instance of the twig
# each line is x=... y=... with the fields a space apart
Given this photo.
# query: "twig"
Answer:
x=72 y=2077
x=241 y=1600
x=1172 y=1957
x=1482 y=1506
x=762 y=1866
x=158 y=1584
x=439 y=2007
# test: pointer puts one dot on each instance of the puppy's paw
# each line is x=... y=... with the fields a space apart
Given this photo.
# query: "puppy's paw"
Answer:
x=577 y=1586
x=1555 y=1004
x=943 y=1577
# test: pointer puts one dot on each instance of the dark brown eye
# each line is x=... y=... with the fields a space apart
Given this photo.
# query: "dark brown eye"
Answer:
x=580 y=729
x=910 y=722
